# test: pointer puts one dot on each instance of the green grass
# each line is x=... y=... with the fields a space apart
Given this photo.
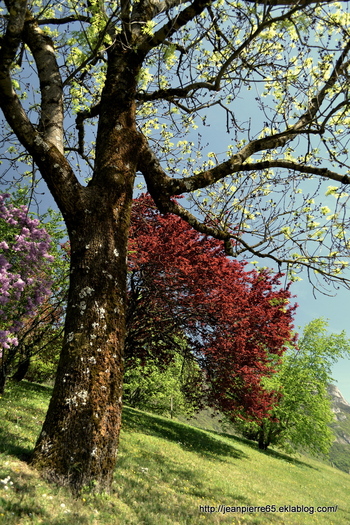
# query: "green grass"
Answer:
x=165 y=471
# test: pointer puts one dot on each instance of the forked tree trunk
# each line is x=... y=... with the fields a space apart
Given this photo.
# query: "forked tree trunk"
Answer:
x=79 y=440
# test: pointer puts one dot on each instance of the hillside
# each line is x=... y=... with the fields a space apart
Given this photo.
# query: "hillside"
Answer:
x=168 y=473
x=340 y=451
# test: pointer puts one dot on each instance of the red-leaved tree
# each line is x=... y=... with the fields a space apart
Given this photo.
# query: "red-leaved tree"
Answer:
x=186 y=295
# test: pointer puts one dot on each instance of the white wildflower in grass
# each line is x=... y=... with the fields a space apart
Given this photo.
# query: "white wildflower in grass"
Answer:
x=6 y=482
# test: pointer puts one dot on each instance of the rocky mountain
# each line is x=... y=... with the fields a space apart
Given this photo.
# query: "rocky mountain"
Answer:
x=340 y=451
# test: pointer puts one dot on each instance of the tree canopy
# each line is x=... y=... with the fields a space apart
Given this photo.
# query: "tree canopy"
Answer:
x=187 y=297
x=191 y=63
x=95 y=94
x=302 y=413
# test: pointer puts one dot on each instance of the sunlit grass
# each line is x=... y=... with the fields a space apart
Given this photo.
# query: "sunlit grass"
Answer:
x=166 y=470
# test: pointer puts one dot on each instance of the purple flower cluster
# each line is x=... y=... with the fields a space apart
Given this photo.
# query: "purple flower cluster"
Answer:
x=24 y=269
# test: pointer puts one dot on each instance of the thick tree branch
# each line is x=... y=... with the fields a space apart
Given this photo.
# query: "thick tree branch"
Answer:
x=165 y=5
x=180 y=20
x=12 y=38
x=9 y=102
x=148 y=9
x=47 y=148
x=42 y=48
x=295 y=166
x=65 y=20
x=278 y=140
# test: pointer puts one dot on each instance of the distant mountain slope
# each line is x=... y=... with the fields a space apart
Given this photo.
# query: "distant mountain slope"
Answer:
x=340 y=451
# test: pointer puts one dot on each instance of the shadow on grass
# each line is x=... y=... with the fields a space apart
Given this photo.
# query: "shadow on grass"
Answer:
x=194 y=487
x=24 y=501
x=196 y=439
x=25 y=388
x=18 y=451
x=190 y=438
x=17 y=444
x=12 y=503
x=269 y=452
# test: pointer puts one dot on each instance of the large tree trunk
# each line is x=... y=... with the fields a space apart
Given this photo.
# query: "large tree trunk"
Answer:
x=79 y=440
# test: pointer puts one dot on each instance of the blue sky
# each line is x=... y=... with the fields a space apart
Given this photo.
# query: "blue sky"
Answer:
x=333 y=309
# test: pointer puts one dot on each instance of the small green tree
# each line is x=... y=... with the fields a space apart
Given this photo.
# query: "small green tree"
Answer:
x=301 y=417
x=162 y=391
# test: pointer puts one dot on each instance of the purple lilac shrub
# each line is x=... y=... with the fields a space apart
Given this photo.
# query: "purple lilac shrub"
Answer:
x=24 y=269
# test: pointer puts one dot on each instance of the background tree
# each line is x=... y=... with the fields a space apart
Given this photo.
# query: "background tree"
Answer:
x=162 y=390
x=39 y=342
x=142 y=76
x=300 y=420
x=24 y=276
x=186 y=297
x=41 y=334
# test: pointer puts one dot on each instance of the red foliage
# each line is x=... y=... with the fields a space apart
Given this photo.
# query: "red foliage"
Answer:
x=233 y=321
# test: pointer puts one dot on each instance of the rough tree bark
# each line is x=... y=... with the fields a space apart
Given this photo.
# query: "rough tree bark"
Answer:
x=85 y=409
x=84 y=416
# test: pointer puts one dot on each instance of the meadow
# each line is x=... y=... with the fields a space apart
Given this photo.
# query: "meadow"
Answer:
x=167 y=473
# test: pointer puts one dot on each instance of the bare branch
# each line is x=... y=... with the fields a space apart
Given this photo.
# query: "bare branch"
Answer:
x=296 y=166
x=268 y=22
x=95 y=52
x=318 y=99
x=65 y=20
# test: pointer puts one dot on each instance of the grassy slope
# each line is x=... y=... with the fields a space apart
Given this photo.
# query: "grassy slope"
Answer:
x=340 y=452
x=166 y=470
